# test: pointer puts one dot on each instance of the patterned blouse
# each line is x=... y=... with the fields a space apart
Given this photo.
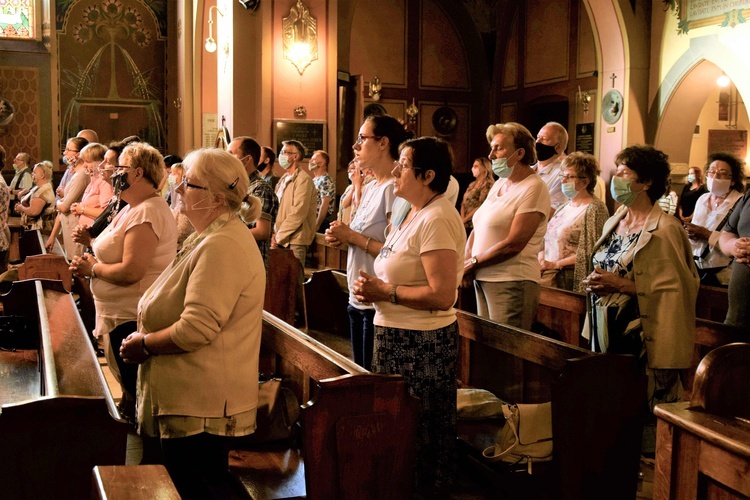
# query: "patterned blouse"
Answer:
x=474 y=197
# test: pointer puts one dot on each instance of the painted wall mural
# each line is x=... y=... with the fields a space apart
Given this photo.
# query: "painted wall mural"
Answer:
x=112 y=68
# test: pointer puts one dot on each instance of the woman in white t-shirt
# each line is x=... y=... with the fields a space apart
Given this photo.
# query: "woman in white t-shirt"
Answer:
x=376 y=149
x=416 y=335
x=502 y=250
x=139 y=243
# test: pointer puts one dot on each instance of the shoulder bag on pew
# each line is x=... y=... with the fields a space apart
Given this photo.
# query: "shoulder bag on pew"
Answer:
x=526 y=436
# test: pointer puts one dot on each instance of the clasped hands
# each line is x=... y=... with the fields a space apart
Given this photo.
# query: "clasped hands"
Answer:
x=81 y=265
x=741 y=250
x=131 y=349
x=338 y=233
x=604 y=282
x=368 y=289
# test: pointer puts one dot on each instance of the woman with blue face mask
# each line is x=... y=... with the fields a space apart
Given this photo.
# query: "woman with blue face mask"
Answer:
x=565 y=259
x=502 y=250
x=644 y=284
x=694 y=189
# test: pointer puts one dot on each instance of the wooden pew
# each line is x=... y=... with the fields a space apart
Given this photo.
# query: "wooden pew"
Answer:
x=712 y=303
x=564 y=312
x=703 y=447
x=58 y=417
x=349 y=424
x=132 y=482
x=597 y=402
x=281 y=284
x=326 y=301
x=327 y=256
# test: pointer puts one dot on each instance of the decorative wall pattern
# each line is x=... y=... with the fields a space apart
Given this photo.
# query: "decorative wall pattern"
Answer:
x=17 y=19
x=21 y=87
x=112 y=69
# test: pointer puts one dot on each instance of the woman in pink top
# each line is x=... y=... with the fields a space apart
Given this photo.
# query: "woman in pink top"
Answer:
x=99 y=191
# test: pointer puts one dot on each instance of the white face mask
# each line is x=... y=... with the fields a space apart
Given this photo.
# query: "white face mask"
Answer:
x=284 y=162
x=718 y=187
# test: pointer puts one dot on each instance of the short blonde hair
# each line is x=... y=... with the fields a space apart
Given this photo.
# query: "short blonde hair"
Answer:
x=46 y=167
x=93 y=151
x=221 y=173
x=522 y=139
x=146 y=157
x=584 y=164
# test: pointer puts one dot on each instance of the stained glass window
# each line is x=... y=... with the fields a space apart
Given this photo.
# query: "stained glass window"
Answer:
x=16 y=18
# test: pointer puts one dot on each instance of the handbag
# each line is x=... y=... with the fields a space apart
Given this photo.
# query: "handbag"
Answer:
x=278 y=410
x=526 y=436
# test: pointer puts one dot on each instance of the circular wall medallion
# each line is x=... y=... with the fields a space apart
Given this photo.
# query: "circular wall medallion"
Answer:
x=612 y=106
x=444 y=121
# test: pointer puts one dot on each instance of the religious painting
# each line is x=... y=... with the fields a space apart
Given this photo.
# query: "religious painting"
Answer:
x=699 y=13
x=17 y=19
x=112 y=68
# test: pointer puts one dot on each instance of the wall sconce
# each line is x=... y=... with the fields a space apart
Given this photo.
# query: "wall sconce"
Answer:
x=585 y=99
x=723 y=81
x=375 y=88
x=210 y=45
x=300 y=37
x=412 y=111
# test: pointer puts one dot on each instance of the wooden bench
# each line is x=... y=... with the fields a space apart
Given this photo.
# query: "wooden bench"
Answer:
x=326 y=302
x=703 y=447
x=327 y=256
x=564 y=312
x=357 y=428
x=58 y=418
x=132 y=482
x=281 y=284
x=597 y=403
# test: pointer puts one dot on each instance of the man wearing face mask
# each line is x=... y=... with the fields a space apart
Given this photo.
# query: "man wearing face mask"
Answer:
x=551 y=142
x=295 y=224
x=265 y=167
x=248 y=151
x=326 y=190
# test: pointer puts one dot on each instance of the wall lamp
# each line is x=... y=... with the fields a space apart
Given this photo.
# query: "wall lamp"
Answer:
x=585 y=99
x=723 y=81
x=210 y=45
x=300 y=32
x=375 y=88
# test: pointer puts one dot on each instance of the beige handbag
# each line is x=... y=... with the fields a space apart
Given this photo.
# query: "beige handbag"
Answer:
x=526 y=436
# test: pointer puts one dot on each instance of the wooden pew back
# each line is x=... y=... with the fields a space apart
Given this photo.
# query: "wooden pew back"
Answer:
x=326 y=301
x=596 y=400
x=326 y=256
x=66 y=422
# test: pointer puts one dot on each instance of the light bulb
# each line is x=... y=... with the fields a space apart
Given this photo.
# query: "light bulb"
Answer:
x=210 y=44
x=723 y=81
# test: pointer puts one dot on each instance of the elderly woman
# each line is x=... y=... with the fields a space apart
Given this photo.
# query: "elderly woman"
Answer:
x=503 y=249
x=129 y=255
x=376 y=148
x=199 y=327
x=735 y=241
x=417 y=273
x=99 y=191
x=691 y=192
x=726 y=182
x=72 y=192
x=644 y=284
x=477 y=191
x=37 y=207
x=571 y=233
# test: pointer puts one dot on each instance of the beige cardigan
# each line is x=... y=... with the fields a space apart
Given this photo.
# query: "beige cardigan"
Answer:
x=295 y=222
x=214 y=297
x=666 y=283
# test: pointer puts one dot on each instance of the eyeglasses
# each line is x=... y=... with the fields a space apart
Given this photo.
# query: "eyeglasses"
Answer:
x=71 y=150
x=193 y=186
x=566 y=178
x=399 y=167
x=287 y=153
x=719 y=174
x=362 y=138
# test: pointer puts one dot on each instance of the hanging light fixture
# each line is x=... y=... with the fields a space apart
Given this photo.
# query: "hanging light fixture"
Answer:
x=300 y=32
x=210 y=44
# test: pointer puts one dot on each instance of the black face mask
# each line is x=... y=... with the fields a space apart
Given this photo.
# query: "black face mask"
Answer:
x=120 y=182
x=544 y=152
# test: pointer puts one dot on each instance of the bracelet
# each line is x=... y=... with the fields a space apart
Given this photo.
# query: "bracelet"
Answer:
x=93 y=271
x=143 y=345
x=394 y=299
x=367 y=245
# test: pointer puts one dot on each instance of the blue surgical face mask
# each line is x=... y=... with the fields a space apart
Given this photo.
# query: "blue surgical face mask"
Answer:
x=500 y=167
x=569 y=189
x=621 y=192
x=284 y=161
x=691 y=178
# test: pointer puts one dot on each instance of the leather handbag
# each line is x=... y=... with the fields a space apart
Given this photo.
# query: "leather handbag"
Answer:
x=526 y=436
x=278 y=410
